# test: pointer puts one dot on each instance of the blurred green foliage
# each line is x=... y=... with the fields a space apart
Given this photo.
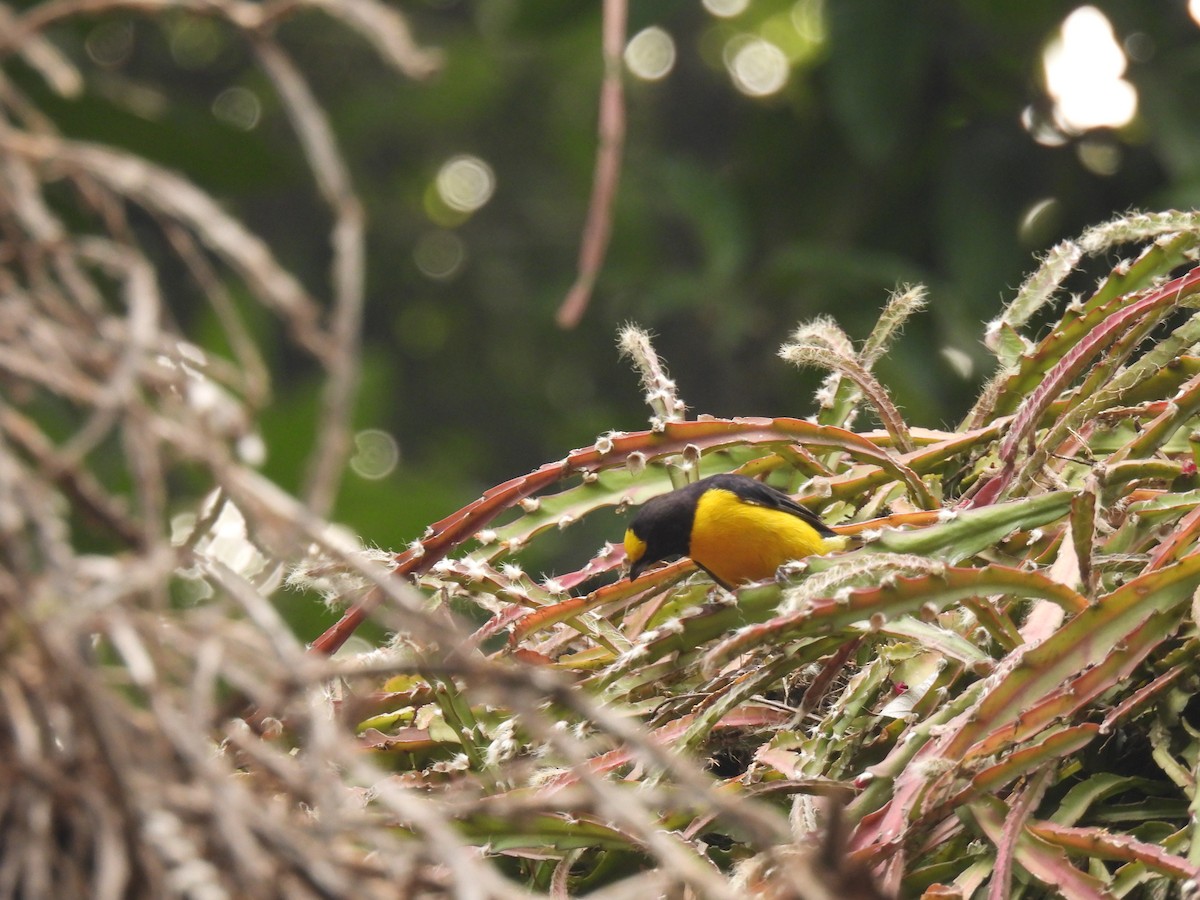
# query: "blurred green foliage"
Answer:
x=895 y=152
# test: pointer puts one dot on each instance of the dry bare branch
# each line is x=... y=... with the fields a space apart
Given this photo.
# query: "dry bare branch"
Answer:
x=611 y=130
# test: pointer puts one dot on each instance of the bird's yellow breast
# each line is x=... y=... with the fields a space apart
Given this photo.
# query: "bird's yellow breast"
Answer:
x=739 y=542
x=635 y=547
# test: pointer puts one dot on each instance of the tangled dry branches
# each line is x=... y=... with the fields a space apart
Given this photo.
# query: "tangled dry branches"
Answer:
x=122 y=770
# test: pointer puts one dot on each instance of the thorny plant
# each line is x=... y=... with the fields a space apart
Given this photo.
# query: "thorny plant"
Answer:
x=996 y=684
x=992 y=694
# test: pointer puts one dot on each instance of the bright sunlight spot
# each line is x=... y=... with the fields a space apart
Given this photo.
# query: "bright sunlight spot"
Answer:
x=465 y=183
x=758 y=67
x=1083 y=67
x=650 y=54
x=1194 y=10
x=726 y=9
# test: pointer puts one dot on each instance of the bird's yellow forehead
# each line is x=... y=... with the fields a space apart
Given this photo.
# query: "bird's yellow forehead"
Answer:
x=635 y=547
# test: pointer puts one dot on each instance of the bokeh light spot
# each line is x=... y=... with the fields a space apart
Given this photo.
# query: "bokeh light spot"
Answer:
x=758 y=67
x=1039 y=221
x=1194 y=10
x=440 y=254
x=1099 y=156
x=726 y=9
x=465 y=183
x=1042 y=128
x=238 y=107
x=1139 y=47
x=650 y=54
x=1083 y=66
x=196 y=43
x=376 y=454
x=959 y=361
x=808 y=18
x=110 y=44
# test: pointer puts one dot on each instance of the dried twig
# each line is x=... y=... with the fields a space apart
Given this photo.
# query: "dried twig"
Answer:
x=611 y=129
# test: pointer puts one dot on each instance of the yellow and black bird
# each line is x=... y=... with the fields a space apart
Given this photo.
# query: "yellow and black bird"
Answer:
x=735 y=528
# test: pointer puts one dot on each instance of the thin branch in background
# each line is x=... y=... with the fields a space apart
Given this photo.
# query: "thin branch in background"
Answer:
x=253 y=380
x=387 y=31
x=143 y=304
x=41 y=55
x=598 y=226
x=328 y=460
x=95 y=504
x=175 y=197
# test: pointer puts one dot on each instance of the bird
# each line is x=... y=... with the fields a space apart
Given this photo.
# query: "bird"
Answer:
x=733 y=527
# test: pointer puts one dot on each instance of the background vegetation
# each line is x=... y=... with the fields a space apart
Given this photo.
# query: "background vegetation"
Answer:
x=895 y=153
x=907 y=145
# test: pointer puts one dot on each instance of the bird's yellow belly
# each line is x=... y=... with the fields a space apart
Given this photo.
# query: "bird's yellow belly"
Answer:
x=738 y=542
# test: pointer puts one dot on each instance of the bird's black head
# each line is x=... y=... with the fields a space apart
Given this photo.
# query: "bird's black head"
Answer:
x=661 y=530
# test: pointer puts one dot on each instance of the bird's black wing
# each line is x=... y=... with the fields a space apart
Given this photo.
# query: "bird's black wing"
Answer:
x=764 y=495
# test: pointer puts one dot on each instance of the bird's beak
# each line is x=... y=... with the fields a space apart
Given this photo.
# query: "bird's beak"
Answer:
x=637 y=569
